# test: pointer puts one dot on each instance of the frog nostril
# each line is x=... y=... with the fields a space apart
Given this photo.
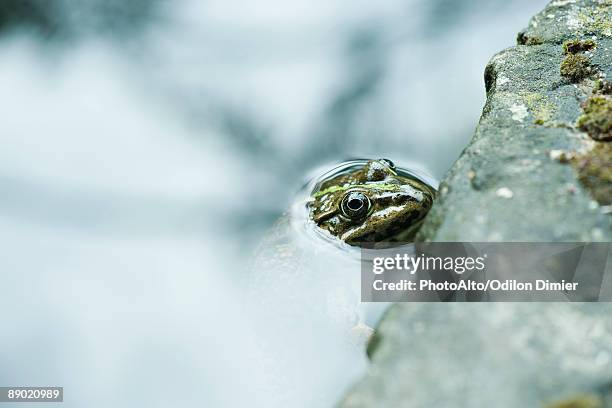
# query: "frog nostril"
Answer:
x=389 y=163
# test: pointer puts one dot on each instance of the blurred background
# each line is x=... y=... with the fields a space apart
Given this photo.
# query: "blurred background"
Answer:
x=146 y=145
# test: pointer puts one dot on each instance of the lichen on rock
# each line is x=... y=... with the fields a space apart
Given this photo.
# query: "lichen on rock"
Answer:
x=540 y=107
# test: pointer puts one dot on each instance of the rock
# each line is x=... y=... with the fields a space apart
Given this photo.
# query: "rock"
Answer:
x=532 y=171
x=506 y=185
x=486 y=355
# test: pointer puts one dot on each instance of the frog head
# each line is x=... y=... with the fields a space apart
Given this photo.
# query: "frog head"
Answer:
x=373 y=203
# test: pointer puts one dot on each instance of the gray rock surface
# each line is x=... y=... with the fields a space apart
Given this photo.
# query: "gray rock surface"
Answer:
x=509 y=183
x=529 y=173
x=486 y=355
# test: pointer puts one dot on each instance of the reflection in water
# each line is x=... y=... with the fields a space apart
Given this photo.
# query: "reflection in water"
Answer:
x=147 y=145
x=62 y=20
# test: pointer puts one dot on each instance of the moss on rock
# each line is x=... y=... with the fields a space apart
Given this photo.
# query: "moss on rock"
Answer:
x=602 y=87
x=596 y=119
x=579 y=401
x=576 y=67
x=576 y=46
x=523 y=39
x=595 y=172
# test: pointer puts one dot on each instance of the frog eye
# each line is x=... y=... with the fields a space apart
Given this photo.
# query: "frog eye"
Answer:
x=355 y=205
x=389 y=163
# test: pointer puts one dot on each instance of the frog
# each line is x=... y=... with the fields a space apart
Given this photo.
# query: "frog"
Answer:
x=372 y=203
x=303 y=280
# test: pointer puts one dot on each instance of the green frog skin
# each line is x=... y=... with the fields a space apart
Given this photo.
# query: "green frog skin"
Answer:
x=371 y=204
